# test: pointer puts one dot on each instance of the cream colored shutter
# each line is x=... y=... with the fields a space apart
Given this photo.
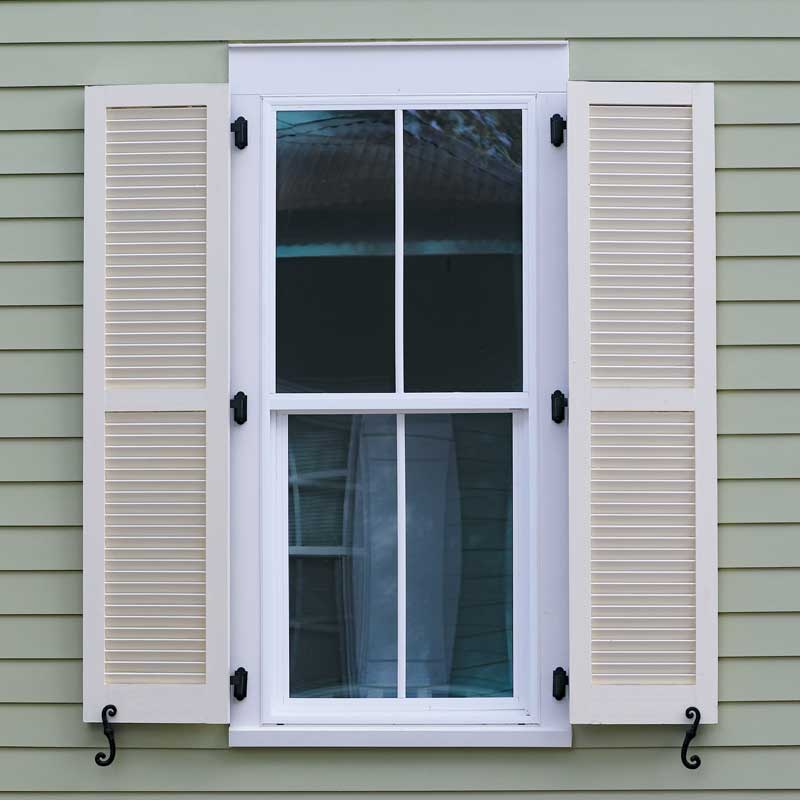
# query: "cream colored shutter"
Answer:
x=156 y=418
x=642 y=403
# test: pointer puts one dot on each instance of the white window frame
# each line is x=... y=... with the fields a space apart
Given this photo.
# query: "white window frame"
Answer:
x=529 y=76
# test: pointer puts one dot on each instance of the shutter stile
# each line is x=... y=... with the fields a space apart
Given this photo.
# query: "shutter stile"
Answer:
x=642 y=403
x=156 y=403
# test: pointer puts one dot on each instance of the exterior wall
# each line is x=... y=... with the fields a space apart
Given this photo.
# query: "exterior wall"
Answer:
x=49 y=50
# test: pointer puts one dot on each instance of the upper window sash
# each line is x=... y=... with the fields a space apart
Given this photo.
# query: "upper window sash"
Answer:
x=459 y=154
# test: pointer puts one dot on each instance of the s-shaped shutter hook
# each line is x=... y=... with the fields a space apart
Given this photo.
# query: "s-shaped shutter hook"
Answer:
x=101 y=759
x=693 y=762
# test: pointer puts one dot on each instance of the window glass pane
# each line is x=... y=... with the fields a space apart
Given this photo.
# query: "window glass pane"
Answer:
x=335 y=251
x=463 y=250
x=343 y=556
x=459 y=555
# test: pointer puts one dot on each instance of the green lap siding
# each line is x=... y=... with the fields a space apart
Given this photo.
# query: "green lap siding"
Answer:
x=50 y=50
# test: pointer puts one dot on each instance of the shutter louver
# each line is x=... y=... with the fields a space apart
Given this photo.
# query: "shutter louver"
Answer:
x=642 y=403
x=155 y=547
x=155 y=245
x=643 y=575
x=156 y=403
x=641 y=226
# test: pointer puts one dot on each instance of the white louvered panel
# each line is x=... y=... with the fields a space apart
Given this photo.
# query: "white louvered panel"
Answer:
x=643 y=547
x=156 y=215
x=641 y=245
x=155 y=547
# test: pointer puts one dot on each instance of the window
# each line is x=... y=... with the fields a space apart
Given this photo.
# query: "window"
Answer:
x=409 y=342
x=398 y=272
x=397 y=510
x=399 y=517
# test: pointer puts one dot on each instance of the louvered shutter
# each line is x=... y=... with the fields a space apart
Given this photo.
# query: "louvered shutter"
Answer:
x=642 y=403
x=155 y=606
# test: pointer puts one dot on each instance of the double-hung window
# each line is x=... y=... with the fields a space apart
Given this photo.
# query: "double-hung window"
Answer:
x=399 y=317
x=410 y=336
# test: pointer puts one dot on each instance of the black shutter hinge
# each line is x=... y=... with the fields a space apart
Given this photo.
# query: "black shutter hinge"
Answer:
x=239 y=131
x=239 y=683
x=558 y=125
x=239 y=406
x=560 y=683
x=558 y=406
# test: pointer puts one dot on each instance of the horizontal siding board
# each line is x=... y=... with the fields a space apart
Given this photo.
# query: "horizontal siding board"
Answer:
x=29 y=681
x=740 y=725
x=754 y=323
x=32 y=637
x=34 y=548
x=761 y=456
x=40 y=593
x=47 y=328
x=41 y=152
x=41 y=240
x=400 y=795
x=59 y=637
x=757 y=103
x=40 y=549
x=43 y=504
x=758 y=190
x=759 y=546
x=316 y=19
x=41 y=196
x=758 y=278
x=758 y=412
x=59 y=681
x=40 y=416
x=40 y=372
x=100 y=64
x=759 y=635
x=357 y=770
x=745 y=501
x=744 y=59
x=38 y=460
x=762 y=146
x=741 y=590
x=41 y=284
x=758 y=367
x=759 y=590
x=61 y=108
x=41 y=109
x=759 y=679
x=533 y=794
x=59 y=725
x=44 y=725
x=758 y=234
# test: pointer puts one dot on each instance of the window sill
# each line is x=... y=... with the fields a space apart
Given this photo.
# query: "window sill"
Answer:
x=399 y=736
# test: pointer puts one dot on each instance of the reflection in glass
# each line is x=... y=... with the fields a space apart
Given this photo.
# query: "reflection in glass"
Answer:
x=463 y=250
x=335 y=251
x=459 y=549
x=343 y=556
